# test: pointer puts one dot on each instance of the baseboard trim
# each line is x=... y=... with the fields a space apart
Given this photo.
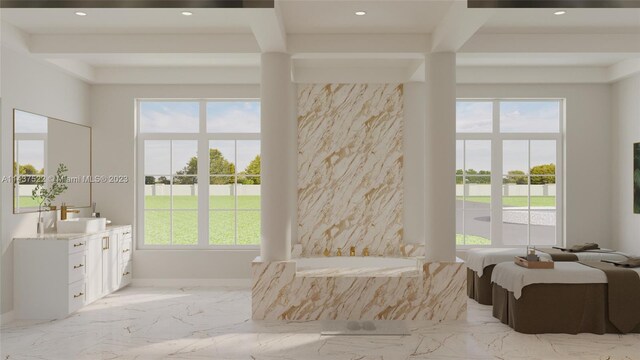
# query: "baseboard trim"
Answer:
x=7 y=317
x=244 y=283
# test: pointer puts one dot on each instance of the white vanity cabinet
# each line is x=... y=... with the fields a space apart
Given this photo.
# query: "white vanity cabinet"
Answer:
x=57 y=274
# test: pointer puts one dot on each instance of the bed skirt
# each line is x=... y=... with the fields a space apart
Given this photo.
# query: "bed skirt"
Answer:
x=479 y=287
x=555 y=308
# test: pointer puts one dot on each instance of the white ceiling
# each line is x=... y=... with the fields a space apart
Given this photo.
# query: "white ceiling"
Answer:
x=326 y=34
x=383 y=17
x=139 y=21
x=546 y=59
x=585 y=21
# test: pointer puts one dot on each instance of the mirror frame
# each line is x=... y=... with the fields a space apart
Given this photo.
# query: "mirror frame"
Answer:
x=13 y=159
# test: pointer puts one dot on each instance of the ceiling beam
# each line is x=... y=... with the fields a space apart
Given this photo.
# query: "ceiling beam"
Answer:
x=42 y=44
x=553 y=43
x=268 y=29
x=173 y=75
x=531 y=75
x=458 y=26
x=624 y=69
x=304 y=45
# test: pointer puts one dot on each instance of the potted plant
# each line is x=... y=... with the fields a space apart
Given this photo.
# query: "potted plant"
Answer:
x=45 y=195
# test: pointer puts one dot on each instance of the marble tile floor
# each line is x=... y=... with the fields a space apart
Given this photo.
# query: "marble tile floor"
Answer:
x=214 y=323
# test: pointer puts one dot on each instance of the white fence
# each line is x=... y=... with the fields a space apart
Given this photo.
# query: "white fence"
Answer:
x=192 y=190
x=507 y=190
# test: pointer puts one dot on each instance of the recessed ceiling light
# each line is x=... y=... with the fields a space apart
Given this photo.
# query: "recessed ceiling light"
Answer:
x=560 y=12
x=187 y=13
x=81 y=13
x=361 y=13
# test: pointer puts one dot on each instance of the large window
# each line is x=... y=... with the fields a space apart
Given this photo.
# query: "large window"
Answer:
x=508 y=172
x=199 y=175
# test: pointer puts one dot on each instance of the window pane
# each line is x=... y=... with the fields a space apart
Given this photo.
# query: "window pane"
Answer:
x=169 y=117
x=459 y=156
x=248 y=190
x=157 y=157
x=477 y=226
x=515 y=159
x=530 y=116
x=222 y=157
x=233 y=117
x=459 y=226
x=515 y=191
x=543 y=157
x=543 y=227
x=157 y=192
x=157 y=227
x=477 y=191
x=248 y=157
x=543 y=195
x=185 y=227
x=474 y=116
x=514 y=226
x=478 y=157
x=222 y=193
x=248 y=227
x=222 y=227
x=185 y=192
x=185 y=157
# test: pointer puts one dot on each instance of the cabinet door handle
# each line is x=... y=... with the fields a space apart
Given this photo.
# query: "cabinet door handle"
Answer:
x=78 y=244
x=105 y=243
x=78 y=295
x=78 y=266
x=126 y=273
x=126 y=233
x=126 y=250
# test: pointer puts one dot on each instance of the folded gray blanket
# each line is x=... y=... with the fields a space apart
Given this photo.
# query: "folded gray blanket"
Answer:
x=629 y=263
x=579 y=248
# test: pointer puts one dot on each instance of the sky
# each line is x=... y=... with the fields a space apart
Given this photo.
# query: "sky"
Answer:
x=183 y=117
x=515 y=116
x=30 y=151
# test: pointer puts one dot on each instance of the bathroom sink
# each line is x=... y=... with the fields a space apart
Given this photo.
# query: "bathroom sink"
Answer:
x=81 y=225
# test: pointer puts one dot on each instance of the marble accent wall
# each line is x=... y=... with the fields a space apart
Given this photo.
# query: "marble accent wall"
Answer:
x=435 y=293
x=350 y=167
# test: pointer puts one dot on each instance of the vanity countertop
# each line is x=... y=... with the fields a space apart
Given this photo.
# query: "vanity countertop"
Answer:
x=56 y=236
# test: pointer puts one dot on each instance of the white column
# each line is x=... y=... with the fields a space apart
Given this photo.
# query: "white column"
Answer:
x=413 y=152
x=278 y=149
x=440 y=159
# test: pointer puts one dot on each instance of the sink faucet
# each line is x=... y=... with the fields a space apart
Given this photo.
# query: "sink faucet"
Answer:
x=64 y=210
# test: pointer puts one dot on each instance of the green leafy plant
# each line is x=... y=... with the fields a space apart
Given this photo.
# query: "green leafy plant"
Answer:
x=44 y=194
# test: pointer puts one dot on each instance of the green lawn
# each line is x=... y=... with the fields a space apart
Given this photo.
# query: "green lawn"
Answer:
x=472 y=240
x=222 y=221
x=520 y=201
x=27 y=201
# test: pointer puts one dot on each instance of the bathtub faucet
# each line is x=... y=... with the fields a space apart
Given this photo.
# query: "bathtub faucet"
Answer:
x=352 y=251
x=365 y=251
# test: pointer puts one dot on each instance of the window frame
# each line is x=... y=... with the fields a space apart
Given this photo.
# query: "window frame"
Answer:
x=202 y=138
x=497 y=138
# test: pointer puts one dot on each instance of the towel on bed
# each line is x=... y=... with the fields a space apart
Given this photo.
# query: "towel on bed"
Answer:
x=623 y=295
x=629 y=263
x=579 y=248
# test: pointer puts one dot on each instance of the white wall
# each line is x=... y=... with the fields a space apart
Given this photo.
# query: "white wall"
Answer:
x=626 y=131
x=31 y=85
x=113 y=119
x=587 y=155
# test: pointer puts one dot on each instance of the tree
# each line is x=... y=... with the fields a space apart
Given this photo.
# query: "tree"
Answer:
x=253 y=171
x=547 y=169
x=149 y=180
x=516 y=177
x=163 y=180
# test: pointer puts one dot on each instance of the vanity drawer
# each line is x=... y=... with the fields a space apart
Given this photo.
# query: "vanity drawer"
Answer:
x=125 y=254
x=77 y=296
x=77 y=245
x=125 y=274
x=77 y=267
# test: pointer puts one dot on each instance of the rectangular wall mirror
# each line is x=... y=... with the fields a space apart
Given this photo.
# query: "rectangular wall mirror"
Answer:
x=40 y=145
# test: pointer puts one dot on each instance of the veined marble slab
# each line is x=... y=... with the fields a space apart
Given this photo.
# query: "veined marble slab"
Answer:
x=436 y=293
x=350 y=158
